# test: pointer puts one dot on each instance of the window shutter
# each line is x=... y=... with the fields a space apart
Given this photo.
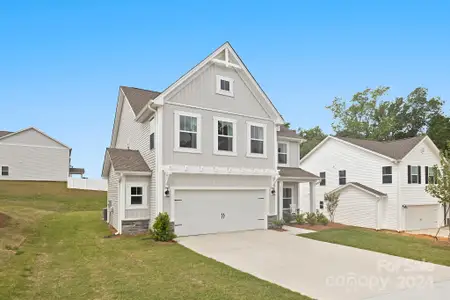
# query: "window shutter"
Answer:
x=426 y=174
x=420 y=174
x=409 y=174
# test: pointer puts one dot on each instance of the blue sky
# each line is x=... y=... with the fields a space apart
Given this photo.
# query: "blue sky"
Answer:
x=61 y=63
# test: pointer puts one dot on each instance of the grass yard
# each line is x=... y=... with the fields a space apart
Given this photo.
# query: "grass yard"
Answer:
x=53 y=247
x=384 y=242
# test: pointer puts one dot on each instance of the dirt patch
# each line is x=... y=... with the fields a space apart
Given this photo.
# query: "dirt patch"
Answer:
x=319 y=227
x=4 y=220
x=440 y=239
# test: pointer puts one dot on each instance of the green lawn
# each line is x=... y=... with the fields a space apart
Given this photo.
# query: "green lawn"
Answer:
x=65 y=255
x=389 y=243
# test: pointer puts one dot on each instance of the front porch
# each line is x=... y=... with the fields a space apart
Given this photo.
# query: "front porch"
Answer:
x=289 y=189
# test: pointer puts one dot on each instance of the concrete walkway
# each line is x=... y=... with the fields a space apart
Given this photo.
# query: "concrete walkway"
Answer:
x=323 y=270
x=295 y=230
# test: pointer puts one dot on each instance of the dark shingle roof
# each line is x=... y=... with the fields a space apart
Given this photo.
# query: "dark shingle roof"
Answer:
x=296 y=172
x=3 y=133
x=364 y=187
x=138 y=98
x=286 y=132
x=395 y=149
x=127 y=160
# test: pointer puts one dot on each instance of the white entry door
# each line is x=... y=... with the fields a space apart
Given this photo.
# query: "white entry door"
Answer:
x=213 y=211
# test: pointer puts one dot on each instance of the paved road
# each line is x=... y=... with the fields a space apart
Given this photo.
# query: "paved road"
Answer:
x=323 y=270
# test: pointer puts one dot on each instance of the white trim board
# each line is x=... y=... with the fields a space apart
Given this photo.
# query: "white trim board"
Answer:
x=186 y=169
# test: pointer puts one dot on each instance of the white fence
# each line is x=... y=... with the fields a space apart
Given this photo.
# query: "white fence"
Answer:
x=87 y=184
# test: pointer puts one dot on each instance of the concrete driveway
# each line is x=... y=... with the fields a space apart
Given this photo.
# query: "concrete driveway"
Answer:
x=443 y=233
x=323 y=270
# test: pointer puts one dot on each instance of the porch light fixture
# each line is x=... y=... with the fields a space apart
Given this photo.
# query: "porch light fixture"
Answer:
x=167 y=192
x=272 y=191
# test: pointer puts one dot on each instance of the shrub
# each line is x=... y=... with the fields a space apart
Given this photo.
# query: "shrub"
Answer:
x=288 y=217
x=300 y=219
x=321 y=218
x=311 y=218
x=278 y=224
x=161 y=228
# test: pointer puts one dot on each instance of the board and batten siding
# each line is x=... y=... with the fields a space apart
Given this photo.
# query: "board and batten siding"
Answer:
x=136 y=136
x=31 y=155
x=199 y=96
x=360 y=166
x=113 y=198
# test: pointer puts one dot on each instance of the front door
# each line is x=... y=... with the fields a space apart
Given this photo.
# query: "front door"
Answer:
x=287 y=199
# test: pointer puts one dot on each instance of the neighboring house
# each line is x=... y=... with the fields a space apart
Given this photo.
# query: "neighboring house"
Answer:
x=30 y=154
x=205 y=151
x=381 y=184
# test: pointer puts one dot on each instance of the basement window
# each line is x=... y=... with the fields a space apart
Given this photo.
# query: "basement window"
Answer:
x=5 y=171
x=224 y=86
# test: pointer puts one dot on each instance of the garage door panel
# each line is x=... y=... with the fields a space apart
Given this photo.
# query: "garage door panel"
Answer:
x=421 y=217
x=202 y=212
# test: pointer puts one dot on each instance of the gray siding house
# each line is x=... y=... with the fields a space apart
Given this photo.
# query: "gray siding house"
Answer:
x=210 y=150
x=30 y=154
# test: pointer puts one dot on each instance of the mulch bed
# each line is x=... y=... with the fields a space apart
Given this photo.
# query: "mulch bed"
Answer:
x=439 y=239
x=4 y=220
x=319 y=227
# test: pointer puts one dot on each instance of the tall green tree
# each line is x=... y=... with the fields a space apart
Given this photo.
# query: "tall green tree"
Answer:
x=441 y=188
x=313 y=137
x=439 y=132
x=368 y=115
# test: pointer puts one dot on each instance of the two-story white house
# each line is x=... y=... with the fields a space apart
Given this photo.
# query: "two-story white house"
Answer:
x=381 y=184
x=206 y=150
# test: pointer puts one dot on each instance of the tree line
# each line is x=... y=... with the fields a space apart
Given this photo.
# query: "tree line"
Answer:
x=367 y=115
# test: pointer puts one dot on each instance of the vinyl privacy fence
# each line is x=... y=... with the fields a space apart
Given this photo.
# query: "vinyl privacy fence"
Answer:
x=87 y=184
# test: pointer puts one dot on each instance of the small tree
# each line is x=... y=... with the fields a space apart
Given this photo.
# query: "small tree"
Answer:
x=440 y=189
x=331 y=202
x=162 y=230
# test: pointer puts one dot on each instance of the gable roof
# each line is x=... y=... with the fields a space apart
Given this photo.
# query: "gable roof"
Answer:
x=8 y=134
x=362 y=187
x=228 y=52
x=127 y=160
x=395 y=149
x=138 y=98
x=288 y=133
x=3 y=133
x=297 y=173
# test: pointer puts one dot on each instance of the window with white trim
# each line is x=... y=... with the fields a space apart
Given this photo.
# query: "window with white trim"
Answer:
x=224 y=136
x=136 y=195
x=187 y=132
x=224 y=86
x=430 y=175
x=342 y=177
x=323 y=179
x=287 y=198
x=415 y=175
x=256 y=139
x=283 y=153
x=5 y=171
x=387 y=174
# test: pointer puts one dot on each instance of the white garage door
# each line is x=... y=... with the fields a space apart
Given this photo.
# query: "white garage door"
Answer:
x=421 y=217
x=356 y=208
x=201 y=212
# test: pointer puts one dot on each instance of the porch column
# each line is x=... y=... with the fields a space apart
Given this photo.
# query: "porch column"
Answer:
x=312 y=196
x=280 y=200
x=299 y=196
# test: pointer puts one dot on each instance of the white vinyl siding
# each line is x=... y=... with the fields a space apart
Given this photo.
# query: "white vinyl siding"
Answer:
x=357 y=208
x=113 y=199
x=136 y=136
x=335 y=156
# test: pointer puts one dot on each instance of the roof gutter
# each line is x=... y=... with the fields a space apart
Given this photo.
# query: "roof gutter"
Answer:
x=146 y=108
